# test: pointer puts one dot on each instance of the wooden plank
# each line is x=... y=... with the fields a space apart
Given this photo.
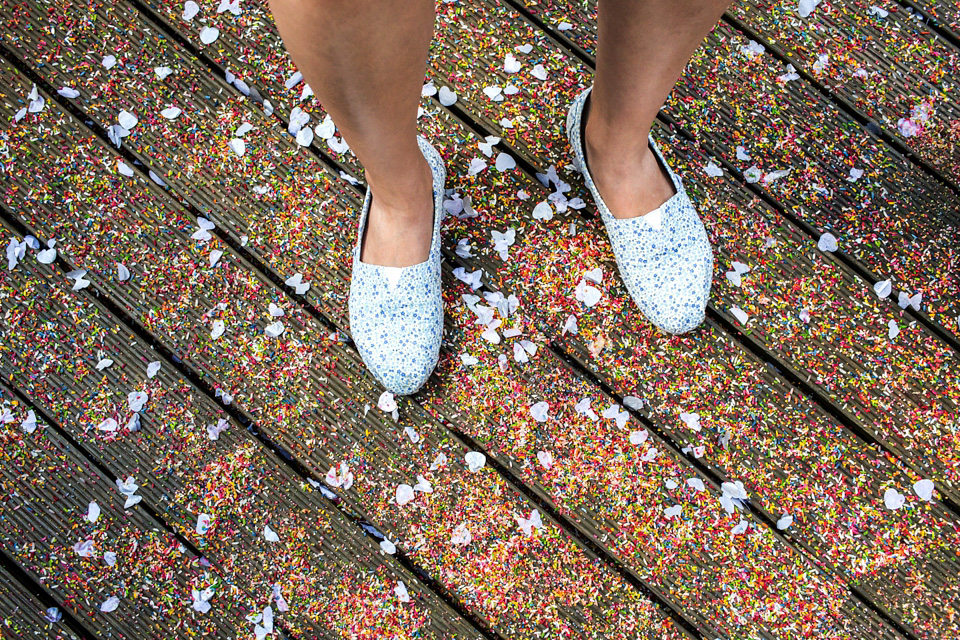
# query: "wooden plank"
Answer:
x=554 y=282
x=232 y=53
x=802 y=130
x=48 y=487
x=192 y=154
x=24 y=615
x=695 y=589
x=794 y=458
x=548 y=121
x=945 y=13
x=260 y=64
x=880 y=59
x=863 y=392
x=268 y=86
x=312 y=396
x=234 y=479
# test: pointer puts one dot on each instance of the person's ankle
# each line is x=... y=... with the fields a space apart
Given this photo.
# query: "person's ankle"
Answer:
x=398 y=231
x=625 y=169
x=403 y=194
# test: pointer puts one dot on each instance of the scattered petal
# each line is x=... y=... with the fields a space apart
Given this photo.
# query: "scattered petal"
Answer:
x=269 y=534
x=827 y=242
x=713 y=170
x=110 y=604
x=209 y=35
x=446 y=96
x=505 y=162
x=893 y=329
x=539 y=411
x=924 y=489
x=461 y=536
x=387 y=402
x=405 y=494
x=882 y=288
x=190 y=10
x=203 y=523
x=475 y=461
x=893 y=499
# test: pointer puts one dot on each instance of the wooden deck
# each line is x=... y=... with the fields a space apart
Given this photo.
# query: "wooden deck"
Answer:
x=136 y=359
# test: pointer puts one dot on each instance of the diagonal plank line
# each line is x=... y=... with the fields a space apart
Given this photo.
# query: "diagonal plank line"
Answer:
x=151 y=512
x=759 y=514
x=865 y=121
x=932 y=23
x=818 y=397
x=472 y=124
x=574 y=530
x=856 y=114
x=814 y=394
x=843 y=257
x=142 y=168
x=35 y=588
x=475 y=128
x=138 y=165
x=188 y=46
x=528 y=169
x=242 y=418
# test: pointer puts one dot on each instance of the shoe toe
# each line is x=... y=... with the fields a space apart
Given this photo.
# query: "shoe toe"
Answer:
x=401 y=357
x=669 y=278
x=676 y=298
x=398 y=336
x=404 y=376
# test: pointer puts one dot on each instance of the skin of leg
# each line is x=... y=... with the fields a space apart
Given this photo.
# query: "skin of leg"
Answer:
x=366 y=60
x=643 y=47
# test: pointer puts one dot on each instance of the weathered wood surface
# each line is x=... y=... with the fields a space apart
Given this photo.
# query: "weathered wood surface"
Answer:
x=263 y=72
x=811 y=577
x=24 y=615
x=944 y=13
x=882 y=59
x=332 y=576
x=793 y=457
x=858 y=373
x=48 y=488
x=317 y=402
x=898 y=221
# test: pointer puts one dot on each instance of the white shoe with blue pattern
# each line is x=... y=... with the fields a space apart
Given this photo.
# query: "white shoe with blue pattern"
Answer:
x=396 y=313
x=664 y=257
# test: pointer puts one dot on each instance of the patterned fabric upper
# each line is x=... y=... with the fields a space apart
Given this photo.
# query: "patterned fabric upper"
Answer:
x=664 y=257
x=396 y=313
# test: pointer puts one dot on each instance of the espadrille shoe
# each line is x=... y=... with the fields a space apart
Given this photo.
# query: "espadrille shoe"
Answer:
x=664 y=257
x=396 y=313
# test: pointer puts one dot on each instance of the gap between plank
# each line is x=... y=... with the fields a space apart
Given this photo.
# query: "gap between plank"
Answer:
x=944 y=32
x=466 y=118
x=852 y=111
x=579 y=536
x=938 y=330
x=717 y=479
x=241 y=418
x=35 y=588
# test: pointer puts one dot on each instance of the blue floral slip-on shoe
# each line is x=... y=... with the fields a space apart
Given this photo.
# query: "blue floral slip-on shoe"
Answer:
x=396 y=313
x=664 y=257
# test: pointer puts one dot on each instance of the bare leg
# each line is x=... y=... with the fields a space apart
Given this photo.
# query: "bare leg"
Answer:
x=642 y=50
x=366 y=60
